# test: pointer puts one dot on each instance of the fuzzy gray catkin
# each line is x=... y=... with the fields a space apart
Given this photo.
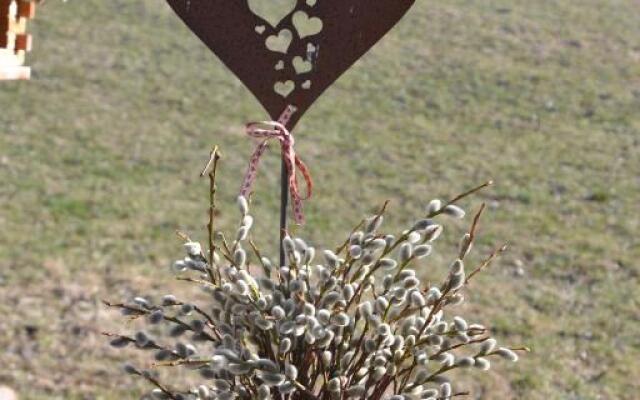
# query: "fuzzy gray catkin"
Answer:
x=454 y=211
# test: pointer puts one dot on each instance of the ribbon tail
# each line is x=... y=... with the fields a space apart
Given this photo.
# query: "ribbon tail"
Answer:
x=252 y=169
x=298 y=200
x=306 y=174
x=298 y=213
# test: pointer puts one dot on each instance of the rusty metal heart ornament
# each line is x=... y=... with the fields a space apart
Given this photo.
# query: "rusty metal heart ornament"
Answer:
x=288 y=52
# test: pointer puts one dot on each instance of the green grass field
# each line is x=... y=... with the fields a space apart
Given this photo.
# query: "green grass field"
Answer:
x=100 y=155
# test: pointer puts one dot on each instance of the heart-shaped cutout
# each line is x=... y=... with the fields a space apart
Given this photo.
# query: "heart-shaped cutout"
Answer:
x=305 y=25
x=280 y=43
x=301 y=65
x=260 y=29
x=279 y=66
x=349 y=29
x=272 y=11
x=284 y=89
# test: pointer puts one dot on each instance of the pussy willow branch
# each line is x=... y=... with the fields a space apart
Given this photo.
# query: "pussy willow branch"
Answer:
x=150 y=345
x=476 y=221
x=142 y=311
x=459 y=394
x=344 y=245
x=160 y=386
x=447 y=289
x=465 y=194
x=350 y=262
x=431 y=215
x=147 y=376
x=256 y=251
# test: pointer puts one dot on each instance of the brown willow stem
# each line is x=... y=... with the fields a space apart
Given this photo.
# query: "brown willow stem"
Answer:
x=211 y=169
x=284 y=202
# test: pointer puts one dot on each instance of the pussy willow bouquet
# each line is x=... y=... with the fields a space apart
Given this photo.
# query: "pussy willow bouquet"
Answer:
x=353 y=322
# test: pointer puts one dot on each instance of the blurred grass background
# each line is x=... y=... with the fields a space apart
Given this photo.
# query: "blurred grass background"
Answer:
x=100 y=155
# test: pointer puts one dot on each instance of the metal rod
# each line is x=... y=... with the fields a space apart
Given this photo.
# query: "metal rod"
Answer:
x=284 y=187
x=284 y=202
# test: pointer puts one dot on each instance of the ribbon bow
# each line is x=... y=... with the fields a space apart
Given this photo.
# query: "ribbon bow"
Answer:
x=268 y=130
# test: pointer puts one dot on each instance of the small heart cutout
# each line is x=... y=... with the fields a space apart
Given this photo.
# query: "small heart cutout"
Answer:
x=284 y=89
x=272 y=11
x=279 y=66
x=305 y=25
x=281 y=42
x=301 y=65
x=260 y=29
x=306 y=85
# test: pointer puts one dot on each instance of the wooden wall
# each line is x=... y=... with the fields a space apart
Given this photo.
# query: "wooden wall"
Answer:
x=15 y=42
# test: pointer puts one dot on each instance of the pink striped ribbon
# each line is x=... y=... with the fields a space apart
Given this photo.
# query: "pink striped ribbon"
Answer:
x=268 y=130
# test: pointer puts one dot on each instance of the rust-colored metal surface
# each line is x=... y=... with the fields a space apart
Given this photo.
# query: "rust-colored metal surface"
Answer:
x=288 y=52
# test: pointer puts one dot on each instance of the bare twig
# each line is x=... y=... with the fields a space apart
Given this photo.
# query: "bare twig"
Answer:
x=496 y=253
x=183 y=236
x=476 y=221
x=211 y=169
x=160 y=386
x=466 y=194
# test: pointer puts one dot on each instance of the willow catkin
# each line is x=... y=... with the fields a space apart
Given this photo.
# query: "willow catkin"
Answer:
x=406 y=251
x=487 y=346
x=507 y=354
x=482 y=363
x=240 y=257
x=422 y=251
x=243 y=205
x=454 y=211
x=373 y=224
x=465 y=245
